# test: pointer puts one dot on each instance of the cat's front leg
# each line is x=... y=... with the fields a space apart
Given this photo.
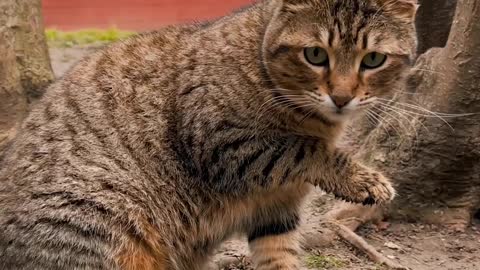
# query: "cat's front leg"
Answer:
x=354 y=182
x=276 y=245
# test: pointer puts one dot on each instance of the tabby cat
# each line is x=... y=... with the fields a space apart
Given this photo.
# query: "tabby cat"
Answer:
x=154 y=150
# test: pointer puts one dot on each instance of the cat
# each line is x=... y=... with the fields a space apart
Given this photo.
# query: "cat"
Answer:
x=151 y=152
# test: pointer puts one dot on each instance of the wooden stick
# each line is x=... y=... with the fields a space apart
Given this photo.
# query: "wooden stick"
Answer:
x=357 y=241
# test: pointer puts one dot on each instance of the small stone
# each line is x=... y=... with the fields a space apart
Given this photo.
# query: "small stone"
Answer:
x=391 y=245
x=391 y=257
x=383 y=225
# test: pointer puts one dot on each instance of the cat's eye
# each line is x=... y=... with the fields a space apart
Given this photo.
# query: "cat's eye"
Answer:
x=373 y=60
x=316 y=56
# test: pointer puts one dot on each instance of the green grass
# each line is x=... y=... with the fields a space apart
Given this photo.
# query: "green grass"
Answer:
x=322 y=262
x=58 y=38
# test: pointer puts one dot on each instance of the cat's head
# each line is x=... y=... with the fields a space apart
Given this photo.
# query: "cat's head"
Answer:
x=333 y=58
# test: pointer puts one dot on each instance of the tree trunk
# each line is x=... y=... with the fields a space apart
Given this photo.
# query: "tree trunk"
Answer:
x=434 y=20
x=433 y=162
x=25 y=69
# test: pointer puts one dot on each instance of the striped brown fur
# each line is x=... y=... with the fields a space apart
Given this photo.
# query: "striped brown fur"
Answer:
x=151 y=152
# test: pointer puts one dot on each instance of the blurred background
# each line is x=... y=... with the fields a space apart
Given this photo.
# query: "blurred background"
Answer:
x=74 y=28
x=134 y=15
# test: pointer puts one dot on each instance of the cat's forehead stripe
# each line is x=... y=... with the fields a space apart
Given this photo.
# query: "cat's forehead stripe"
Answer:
x=351 y=20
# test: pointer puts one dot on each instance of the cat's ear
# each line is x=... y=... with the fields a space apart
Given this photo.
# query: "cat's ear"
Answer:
x=404 y=9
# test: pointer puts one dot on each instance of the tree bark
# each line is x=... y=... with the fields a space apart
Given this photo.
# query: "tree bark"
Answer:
x=25 y=69
x=434 y=164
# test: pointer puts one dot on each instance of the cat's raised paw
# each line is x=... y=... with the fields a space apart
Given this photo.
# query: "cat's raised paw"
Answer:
x=368 y=187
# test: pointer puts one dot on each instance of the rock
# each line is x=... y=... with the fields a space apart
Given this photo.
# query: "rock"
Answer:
x=391 y=245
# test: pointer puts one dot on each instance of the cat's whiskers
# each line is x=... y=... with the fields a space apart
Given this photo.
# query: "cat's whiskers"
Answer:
x=379 y=120
x=365 y=104
x=315 y=96
x=269 y=105
x=387 y=120
x=265 y=107
x=285 y=101
x=404 y=113
x=374 y=121
x=289 y=101
x=427 y=70
x=305 y=102
x=426 y=111
x=308 y=114
x=416 y=114
x=368 y=101
x=399 y=121
x=283 y=95
x=420 y=111
x=405 y=92
x=270 y=100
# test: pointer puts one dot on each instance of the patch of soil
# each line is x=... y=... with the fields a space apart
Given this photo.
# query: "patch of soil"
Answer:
x=62 y=59
x=416 y=246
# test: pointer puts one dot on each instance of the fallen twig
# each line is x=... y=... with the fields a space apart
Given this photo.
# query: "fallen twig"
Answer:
x=357 y=241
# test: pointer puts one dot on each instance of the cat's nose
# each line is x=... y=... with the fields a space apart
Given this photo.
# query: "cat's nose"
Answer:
x=341 y=100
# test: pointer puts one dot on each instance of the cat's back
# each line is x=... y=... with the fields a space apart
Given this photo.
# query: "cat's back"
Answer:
x=83 y=161
x=114 y=92
x=119 y=81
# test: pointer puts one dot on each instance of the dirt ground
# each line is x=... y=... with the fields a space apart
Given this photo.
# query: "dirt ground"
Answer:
x=416 y=246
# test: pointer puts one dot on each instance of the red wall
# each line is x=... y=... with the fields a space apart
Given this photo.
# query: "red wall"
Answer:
x=131 y=14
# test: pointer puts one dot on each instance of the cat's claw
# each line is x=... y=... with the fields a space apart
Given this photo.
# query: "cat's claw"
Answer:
x=369 y=201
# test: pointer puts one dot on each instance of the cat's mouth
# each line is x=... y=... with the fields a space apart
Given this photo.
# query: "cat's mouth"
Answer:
x=340 y=115
x=355 y=108
x=327 y=115
x=328 y=111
